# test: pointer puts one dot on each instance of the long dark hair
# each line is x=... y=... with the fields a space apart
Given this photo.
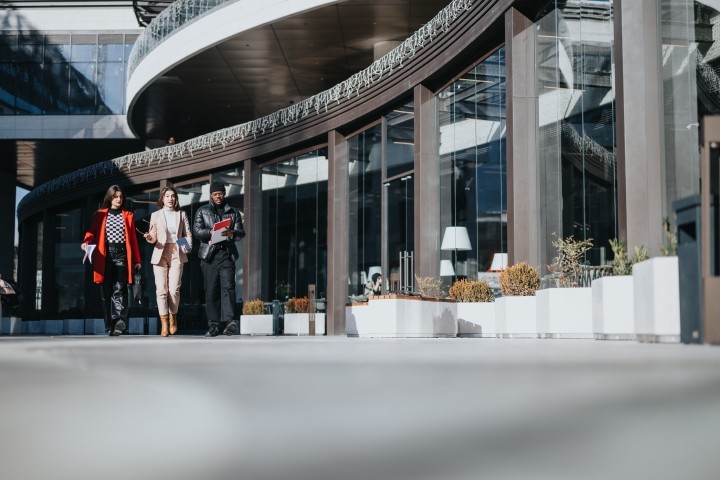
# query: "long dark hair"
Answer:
x=110 y=194
x=160 y=203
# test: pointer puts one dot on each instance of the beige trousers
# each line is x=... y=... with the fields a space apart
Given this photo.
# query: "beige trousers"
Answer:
x=168 y=279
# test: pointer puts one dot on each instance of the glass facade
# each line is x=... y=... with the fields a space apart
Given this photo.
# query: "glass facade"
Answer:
x=294 y=226
x=68 y=272
x=61 y=74
x=576 y=122
x=690 y=54
x=472 y=167
x=365 y=206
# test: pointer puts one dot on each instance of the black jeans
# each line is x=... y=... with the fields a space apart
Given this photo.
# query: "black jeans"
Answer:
x=219 y=277
x=113 y=291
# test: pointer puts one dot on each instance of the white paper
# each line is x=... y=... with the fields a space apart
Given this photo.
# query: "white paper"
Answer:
x=89 y=248
x=216 y=235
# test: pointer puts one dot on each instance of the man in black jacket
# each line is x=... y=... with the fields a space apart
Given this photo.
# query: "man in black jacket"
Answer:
x=217 y=260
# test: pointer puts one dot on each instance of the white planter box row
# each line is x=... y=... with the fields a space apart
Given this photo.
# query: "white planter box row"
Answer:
x=294 y=324
x=643 y=306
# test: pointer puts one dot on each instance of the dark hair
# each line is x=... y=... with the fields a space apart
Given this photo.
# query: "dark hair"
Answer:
x=160 y=203
x=107 y=201
x=375 y=277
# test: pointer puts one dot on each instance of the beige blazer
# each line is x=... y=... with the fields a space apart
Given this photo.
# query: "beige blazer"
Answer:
x=158 y=234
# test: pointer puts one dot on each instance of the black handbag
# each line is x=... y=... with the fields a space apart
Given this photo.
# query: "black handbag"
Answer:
x=138 y=287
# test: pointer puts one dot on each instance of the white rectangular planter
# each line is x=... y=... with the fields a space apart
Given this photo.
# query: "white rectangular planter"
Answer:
x=516 y=317
x=613 y=312
x=11 y=326
x=256 y=325
x=299 y=324
x=564 y=313
x=398 y=316
x=95 y=326
x=476 y=319
x=74 y=326
x=657 y=300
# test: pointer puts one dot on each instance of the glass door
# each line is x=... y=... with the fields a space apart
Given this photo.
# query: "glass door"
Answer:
x=399 y=225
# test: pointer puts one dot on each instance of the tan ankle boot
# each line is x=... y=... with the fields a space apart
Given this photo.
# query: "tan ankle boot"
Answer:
x=164 y=325
x=173 y=324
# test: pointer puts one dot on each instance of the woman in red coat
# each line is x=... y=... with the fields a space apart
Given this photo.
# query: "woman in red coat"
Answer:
x=112 y=232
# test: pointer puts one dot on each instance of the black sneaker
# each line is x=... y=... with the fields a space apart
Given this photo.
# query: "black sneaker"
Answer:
x=119 y=328
x=212 y=332
x=231 y=329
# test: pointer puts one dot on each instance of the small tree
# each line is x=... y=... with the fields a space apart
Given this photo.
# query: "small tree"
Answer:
x=567 y=265
x=471 y=291
x=622 y=262
x=429 y=287
x=254 y=307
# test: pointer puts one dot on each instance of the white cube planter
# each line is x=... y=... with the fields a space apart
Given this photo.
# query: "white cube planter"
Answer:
x=11 y=326
x=564 y=313
x=74 y=326
x=516 y=317
x=401 y=316
x=476 y=319
x=299 y=324
x=657 y=300
x=256 y=325
x=613 y=313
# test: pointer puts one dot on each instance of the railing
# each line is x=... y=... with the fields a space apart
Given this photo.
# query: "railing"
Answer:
x=171 y=19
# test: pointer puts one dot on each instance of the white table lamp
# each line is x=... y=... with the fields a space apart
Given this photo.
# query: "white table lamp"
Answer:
x=456 y=238
x=499 y=262
x=446 y=268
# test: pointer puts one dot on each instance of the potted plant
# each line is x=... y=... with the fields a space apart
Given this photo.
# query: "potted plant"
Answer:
x=613 y=296
x=565 y=309
x=254 y=320
x=475 y=308
x=297 y=318
x=515 y=311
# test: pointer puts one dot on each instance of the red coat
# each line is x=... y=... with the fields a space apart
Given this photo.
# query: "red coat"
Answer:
x=96 y=235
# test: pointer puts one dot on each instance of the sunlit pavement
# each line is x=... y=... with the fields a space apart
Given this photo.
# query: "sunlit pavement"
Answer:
x=345 y=409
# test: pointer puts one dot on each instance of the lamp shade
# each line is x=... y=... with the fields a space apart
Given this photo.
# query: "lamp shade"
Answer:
x=456 y=238
x=499 y=262
x=446 y=268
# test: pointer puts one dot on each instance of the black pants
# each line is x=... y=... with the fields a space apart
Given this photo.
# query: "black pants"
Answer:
x=219 y=277
x=113 y=291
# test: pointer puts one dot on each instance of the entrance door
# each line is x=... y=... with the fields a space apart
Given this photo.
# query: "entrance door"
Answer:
x=399 y=226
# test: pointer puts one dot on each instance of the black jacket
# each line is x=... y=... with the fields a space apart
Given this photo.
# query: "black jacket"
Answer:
x=205 y=218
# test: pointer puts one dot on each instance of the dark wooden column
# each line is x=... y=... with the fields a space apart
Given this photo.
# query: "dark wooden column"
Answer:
x=338 y=232
x=427 y=184
x=523 y=205
x=252 y=243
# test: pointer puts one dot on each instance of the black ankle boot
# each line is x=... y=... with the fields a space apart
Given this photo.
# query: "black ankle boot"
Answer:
x=212 y=332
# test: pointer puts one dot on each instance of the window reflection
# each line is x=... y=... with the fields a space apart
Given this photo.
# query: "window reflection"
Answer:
x=577 y=146
x=62 y=73
x=294 y=194
x=365 y=206
x=68 y=271
x=473 y=165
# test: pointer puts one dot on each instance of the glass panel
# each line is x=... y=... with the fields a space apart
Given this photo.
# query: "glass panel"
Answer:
x=55 y=87
x=400 y=227
x=110 y=84
x=689 y=53
x=577 y=164
x=82 y=88
x=400 y=138
x=473 y=165
x=39 y=266
x=83 y=52
x=191 y=316
x=365 y=191
x=295 y=225
x=68 y=272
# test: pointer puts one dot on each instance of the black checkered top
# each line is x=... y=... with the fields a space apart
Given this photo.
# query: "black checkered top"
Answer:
x=114 y=228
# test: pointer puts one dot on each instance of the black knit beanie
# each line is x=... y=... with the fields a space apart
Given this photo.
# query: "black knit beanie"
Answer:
x=217 y=187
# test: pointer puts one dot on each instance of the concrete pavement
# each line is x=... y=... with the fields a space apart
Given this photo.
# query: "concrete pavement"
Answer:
x=344 y=409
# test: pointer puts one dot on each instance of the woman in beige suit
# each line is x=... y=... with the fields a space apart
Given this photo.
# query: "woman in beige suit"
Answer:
x=170 y=232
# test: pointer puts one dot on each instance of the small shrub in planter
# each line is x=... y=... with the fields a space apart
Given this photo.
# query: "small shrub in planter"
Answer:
x=475 y=291
x=429 y=287
x=622 y=263
x=254 y=307
x=520 y=279
x=297 y=305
